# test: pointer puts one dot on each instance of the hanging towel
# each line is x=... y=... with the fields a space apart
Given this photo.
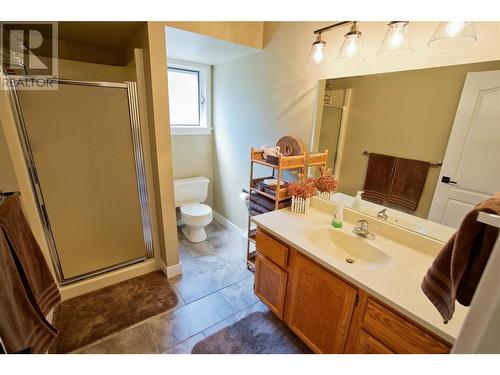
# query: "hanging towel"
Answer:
x=457 y=269
x=18 y=232
x=407 y=183
x=21 y=325
x=378 y=177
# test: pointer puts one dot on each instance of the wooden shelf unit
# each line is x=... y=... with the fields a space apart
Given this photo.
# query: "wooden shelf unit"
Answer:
x=284 y=163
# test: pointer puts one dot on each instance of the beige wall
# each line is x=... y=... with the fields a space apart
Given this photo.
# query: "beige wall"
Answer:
x=260 y=97
x=193 y=155
x=407 y=114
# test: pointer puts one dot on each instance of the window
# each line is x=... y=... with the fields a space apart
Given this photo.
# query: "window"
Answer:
x=189 y=97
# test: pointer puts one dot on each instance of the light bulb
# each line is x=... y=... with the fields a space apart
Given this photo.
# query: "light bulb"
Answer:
x=454 y=28
x=352 y=46
x=396 y=39
x=318 y=53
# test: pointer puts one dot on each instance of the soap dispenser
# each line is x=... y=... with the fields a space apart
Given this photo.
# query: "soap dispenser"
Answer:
x=338 y=217
x=356 y=203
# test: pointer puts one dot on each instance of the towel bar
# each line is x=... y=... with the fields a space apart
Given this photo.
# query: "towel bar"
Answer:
x=433 y=165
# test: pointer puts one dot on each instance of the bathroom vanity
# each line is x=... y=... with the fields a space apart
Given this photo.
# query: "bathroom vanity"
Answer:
x=344 y=294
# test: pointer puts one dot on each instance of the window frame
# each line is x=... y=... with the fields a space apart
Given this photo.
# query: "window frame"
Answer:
x=204 y=98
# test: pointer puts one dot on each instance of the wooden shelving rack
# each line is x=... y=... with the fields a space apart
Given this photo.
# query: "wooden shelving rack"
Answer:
x=284 y=163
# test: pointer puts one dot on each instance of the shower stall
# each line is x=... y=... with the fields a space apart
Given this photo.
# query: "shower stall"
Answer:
x=83 y=150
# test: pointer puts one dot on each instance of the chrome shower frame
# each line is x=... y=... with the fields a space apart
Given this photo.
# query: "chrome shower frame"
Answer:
x=136 y=134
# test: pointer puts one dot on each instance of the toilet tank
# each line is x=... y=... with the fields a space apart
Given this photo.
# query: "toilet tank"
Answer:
x=190 y=190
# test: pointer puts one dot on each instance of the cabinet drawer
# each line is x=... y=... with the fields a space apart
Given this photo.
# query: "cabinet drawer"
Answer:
x=271 y=248
x=397 y=333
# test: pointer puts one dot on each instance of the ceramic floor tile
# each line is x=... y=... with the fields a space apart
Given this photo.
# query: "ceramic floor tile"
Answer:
x=186 y=346
x=197 y=287
x=241 y=294
x=259 y=306
x=137 y=340
x=178 y=325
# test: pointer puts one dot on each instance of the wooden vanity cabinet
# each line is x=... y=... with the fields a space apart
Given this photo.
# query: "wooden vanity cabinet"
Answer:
x=376 y=328
x=319 y=305
x=270 y=284
x=329 y=314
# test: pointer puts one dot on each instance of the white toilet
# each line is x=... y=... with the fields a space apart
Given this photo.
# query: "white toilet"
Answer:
x=190 y=193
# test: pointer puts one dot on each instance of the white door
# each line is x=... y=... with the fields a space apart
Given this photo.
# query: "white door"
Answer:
x=471 y=166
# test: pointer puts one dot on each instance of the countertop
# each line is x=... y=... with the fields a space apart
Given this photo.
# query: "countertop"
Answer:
x=396 y=283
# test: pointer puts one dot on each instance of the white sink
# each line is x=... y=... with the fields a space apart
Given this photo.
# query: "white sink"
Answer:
x=349 y=247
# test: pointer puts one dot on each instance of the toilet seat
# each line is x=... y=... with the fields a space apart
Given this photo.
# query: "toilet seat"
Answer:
x=195 y=210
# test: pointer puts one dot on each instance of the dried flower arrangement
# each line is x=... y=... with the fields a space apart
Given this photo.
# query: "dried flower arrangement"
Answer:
x=326 y=182
x=301 y=191
x=304 y=188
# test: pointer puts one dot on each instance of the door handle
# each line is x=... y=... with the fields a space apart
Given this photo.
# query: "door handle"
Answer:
x=448 y=180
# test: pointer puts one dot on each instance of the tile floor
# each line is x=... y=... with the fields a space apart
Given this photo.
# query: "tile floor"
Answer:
x=215 y=290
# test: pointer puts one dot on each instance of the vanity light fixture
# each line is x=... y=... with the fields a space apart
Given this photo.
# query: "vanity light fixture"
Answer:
x=351 y=47
x=453 y=34
x=318 y=51
x=396 y=41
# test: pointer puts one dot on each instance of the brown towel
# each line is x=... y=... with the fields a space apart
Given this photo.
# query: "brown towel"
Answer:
x=267 y=202
x=21 y=325
x=23 y=242
x=378 y=177
x=458 y=267
x=407 y=182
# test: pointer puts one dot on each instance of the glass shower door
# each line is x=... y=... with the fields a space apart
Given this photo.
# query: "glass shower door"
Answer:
x=83 y=140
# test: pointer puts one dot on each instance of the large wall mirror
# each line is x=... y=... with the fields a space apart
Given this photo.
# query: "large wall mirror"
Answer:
x=423 y=145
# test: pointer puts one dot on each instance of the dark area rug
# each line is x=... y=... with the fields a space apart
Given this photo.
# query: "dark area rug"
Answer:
x=90 y=317
x=257 y=333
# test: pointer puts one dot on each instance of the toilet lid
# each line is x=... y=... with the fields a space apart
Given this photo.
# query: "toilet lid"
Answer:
x=195 y=209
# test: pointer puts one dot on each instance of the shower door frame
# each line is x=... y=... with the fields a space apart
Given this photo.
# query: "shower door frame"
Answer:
x=140 y=173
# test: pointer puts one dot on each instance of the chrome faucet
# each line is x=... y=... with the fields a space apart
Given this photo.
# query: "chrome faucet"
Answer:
x=382 y=214
x=363 y=231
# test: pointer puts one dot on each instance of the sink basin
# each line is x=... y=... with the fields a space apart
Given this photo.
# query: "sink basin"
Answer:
x=349 y=247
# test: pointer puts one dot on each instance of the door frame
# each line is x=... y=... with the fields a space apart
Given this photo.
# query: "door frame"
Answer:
x=140 y=172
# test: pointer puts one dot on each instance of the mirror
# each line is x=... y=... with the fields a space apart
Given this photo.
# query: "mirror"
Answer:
x=388 y=135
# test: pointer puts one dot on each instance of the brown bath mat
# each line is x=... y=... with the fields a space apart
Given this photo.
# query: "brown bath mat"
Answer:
x=90 y=317
x=257 y=333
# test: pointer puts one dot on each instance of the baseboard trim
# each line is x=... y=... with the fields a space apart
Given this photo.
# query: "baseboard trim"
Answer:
x=228 y=225
x=171 y=271
x=109 y=278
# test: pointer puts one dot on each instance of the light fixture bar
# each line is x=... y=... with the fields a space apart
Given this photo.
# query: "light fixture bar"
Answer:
x=331 y=27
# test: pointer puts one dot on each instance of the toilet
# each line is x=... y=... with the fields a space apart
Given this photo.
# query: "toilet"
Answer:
x=190 y=193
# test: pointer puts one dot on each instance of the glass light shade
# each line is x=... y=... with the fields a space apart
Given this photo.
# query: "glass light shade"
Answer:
x=453 y=34
x=318 y=53
x=351 y=48
x=396 y=41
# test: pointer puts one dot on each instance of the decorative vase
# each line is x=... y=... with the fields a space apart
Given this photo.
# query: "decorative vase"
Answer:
x=299 y=205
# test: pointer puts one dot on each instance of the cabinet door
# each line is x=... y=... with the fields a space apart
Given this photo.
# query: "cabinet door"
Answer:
x=320 y=306
x=270 y=284
x=367 y=344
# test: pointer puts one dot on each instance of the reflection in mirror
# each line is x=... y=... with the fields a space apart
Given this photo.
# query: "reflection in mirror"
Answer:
x=422 y=146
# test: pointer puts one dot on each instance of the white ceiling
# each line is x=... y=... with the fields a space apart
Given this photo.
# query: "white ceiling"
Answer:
x=188 y=46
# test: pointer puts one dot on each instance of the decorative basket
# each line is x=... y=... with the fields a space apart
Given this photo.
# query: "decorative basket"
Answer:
x=300 y=205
